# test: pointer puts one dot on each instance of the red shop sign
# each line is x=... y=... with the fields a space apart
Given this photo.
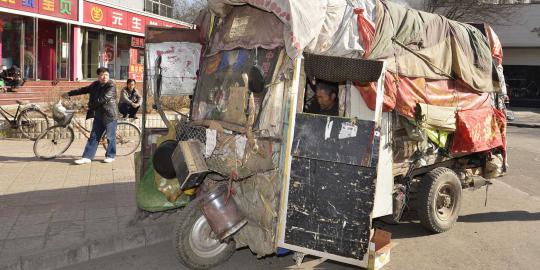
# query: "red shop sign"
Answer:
x=137 y=42
x=119 y=19
x=65 y=9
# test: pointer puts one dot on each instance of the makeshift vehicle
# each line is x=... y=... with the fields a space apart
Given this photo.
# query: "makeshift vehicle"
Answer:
x=419 y=119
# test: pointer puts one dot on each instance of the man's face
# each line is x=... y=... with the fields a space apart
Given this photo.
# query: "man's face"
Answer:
x=131 y=85
x=325 y=101
x=103 y=77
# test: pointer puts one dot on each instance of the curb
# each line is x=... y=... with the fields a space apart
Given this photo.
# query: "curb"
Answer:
x=523 y=125
x=92 y=248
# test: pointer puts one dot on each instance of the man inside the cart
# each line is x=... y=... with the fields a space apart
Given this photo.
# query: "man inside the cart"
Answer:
x=326 y=101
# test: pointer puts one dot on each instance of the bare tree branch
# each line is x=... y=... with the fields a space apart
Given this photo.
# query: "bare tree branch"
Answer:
x=489 y=11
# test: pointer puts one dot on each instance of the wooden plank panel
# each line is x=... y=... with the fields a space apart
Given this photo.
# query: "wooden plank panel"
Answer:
x=335 y=139
x=329 y=207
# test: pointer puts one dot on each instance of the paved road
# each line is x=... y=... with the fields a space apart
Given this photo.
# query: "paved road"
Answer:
x=503 y=235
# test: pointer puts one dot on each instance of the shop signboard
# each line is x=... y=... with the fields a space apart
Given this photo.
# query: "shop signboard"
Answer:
x=136 y=71
x=120 y=19
x=137 y=42
x=65 y=9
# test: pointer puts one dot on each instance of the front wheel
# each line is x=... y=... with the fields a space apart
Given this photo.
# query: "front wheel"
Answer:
x=439 y=200
x=53 y=142
x=128 y=138
x=195 y=243
x=31 y=122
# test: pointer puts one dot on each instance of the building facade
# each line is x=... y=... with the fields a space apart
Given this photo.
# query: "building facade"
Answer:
x=69 y=39
x=520 y=38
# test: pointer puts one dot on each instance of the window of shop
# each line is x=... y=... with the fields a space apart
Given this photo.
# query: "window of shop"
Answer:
x=62 y=49
x=112 y=50
x=11 y=27
x=523 y=85
x=91 y=53
x=29 y=58
x=122 y=61
x=159 y=7
x=17 y=43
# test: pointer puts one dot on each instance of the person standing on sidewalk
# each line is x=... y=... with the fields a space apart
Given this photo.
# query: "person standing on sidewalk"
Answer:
x=130 y=100
x=103 y=108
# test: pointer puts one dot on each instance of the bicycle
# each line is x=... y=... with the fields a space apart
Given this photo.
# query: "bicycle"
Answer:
x=27 y=117
x=57 y=139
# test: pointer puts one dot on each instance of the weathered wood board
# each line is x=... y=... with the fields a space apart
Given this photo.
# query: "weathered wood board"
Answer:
x=335 y=139
x=332 y=185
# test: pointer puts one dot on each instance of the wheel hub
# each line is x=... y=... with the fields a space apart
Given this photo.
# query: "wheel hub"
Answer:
x=202 y=240
x=445 y=205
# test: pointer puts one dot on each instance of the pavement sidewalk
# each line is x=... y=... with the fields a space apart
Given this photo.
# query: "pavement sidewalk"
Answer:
x=525 y=117
x=54 y=213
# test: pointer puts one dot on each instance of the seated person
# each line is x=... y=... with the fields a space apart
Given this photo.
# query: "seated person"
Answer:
x=12 y=77
x=130 y=100
x=326 y=101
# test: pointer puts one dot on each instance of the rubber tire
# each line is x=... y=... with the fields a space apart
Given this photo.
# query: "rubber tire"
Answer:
x=426 y=199
x=72 y=135
x=185 y=221
x=20 y=118
x=104 y=139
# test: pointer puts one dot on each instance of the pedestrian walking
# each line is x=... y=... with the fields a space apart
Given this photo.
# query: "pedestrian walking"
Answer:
x=103 y=108
x=130 y=100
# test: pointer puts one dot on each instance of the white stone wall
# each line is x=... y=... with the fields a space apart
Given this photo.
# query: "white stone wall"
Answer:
x=523 y=29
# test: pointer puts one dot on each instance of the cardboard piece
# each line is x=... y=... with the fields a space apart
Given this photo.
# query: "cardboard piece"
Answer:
x=379 y=249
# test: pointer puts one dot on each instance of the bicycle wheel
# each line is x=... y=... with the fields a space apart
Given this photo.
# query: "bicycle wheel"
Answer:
x=29 y=121
x=53 y=142
x=128 y=138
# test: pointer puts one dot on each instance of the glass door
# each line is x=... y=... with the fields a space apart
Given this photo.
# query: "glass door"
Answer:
x=109 y=53
x=62 y=49
x=91 y=53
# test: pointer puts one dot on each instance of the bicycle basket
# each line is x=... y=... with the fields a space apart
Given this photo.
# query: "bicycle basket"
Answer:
x=60 y=116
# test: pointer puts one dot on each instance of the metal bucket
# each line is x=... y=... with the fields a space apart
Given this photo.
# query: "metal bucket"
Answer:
x=222 y=215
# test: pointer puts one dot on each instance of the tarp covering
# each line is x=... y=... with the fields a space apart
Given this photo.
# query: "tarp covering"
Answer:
x=479 y=130
x=327 y=27
x=419 y=44
x=448 y=93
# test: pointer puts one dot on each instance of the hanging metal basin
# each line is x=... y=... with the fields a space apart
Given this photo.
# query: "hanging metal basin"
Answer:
x=224 y=216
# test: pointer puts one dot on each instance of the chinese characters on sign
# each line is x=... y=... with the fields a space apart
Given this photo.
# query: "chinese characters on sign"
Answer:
x=47 y=5
x=93 y=13
x=120 y=19
x=137 y=42
x=96 y=14
x=65 y=9
x=28 y=3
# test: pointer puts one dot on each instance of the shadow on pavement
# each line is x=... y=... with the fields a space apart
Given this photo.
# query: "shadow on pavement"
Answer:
x=407 y=229
x=58 y=217
x=501 y=216
x=61 y=159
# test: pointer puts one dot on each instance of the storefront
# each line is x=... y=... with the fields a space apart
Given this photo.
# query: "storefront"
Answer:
x=70 y=39
x=521 y=61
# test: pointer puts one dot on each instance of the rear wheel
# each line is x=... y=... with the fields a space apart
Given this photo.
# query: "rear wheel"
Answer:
x=195 y=243
x=53 y=142
x=439 y=200
x=128 y=138
x=31 y=122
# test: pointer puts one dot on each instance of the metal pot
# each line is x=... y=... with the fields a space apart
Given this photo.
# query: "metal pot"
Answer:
x=223 y=215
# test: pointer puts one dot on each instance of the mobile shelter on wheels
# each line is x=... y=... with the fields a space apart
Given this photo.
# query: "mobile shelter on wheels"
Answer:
x=418 y=120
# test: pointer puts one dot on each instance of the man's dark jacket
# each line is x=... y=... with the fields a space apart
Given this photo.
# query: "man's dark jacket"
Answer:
x=102 y=100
